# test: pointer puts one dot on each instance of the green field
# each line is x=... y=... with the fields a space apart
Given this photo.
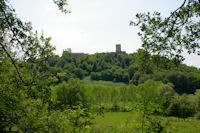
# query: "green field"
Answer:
x=87 y=80
x=114 y=120
x=128 y=121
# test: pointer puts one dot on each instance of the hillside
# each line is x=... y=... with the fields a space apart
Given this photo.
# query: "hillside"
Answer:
x=126 y=68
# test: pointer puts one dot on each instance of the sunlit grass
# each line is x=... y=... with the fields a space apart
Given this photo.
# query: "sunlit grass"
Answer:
x=127 y=121
x=87 y=80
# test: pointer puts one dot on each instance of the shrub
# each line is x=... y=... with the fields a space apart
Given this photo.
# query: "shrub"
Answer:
x=71 y=93
x=198 y=115
x=182 y=106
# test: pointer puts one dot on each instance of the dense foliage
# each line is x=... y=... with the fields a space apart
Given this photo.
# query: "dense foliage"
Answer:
x=126 y=68
x=26 y=103
x=169 y=36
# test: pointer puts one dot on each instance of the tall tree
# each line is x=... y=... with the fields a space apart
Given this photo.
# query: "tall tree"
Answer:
x=18 y=41
x=24 y=89
x=169 y=36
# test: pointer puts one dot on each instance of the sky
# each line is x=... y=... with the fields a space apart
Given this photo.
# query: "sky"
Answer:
x=93 y=25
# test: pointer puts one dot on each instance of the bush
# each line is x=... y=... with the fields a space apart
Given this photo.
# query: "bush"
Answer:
x=80 y=73
x=70 y=94
x=182 y=106
x=197 y=115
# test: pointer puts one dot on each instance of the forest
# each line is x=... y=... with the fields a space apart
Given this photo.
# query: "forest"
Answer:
x=150 y=90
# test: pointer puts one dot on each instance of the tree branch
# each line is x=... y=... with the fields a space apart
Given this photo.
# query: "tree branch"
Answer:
x=10 y=26
x=12 y=60
x=177 y=9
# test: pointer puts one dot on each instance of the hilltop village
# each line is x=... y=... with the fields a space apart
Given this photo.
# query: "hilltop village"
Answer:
x=78 y=55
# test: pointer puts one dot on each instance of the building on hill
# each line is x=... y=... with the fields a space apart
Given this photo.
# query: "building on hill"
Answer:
x=69 y=50
x=118 y=49
x=78 y=55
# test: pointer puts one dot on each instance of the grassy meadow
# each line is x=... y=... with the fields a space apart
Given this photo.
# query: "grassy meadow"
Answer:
x=129 y=121
x=87 y=80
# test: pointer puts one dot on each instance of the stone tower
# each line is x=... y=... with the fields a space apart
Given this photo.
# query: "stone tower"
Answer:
x=118 y=48
x=69 y=50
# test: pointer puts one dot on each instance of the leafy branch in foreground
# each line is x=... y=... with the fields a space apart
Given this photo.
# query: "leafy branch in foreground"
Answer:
x=19 y=42
x=169 y=36
x=62 y=5
x=22 y=54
